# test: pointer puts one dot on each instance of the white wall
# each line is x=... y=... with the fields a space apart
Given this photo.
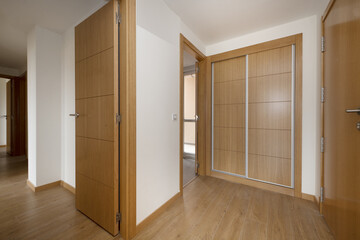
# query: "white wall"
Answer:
x=68 y=107
x=68 y=101
x=31 y=95
x=310 y=27
x=3 y=111
x=44 y=105
x=157 y=97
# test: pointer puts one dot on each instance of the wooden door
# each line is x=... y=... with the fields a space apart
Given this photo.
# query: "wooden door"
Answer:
x=8 y=117
x=97 y=131
x=18 y=115
x=341 y=207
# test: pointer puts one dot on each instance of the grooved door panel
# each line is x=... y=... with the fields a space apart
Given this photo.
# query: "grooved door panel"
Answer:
x=97 y=177
x=270 y=115
x=275 y=61
x=230 y=70
x=97 y=117
x=272 y=143
x=95 y=75
x=270 y=169
x=230 y=92
x=232 y=139
x=271 y=88
x=92 y=198
x=95 y=159
x=229 y=115
x=96 y=33
x=231 y=161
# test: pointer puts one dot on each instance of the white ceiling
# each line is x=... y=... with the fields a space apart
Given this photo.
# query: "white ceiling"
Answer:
x=217 y=20
x=211 y=20
x=18 y=17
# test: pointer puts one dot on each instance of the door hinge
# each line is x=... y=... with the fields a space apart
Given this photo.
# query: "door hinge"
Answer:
x=118 y=118
x=322 y=144
x=118 y=217
x=118 y=18
x=322 y=44
x=321 y=194
x=197 y=70
x=322 y=95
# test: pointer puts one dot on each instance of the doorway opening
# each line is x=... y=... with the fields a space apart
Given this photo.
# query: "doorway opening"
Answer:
x=190 y=164
x=192 y=112
x=3 y=114
x=13 y=115
x=13 y=125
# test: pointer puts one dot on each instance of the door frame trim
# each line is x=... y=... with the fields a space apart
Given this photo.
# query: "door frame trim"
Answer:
x=128 y=120
x=282 y=42
x=186 y=45
x=322 y=105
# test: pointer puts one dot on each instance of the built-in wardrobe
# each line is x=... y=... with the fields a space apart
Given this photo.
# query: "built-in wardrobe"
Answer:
x=256 y=115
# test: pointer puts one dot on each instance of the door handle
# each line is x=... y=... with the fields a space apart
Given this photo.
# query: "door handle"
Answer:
x=196 y=118
x=76 y=115
x=353 y=111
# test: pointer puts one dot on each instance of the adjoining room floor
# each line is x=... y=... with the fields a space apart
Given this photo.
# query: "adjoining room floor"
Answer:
x=209 y=209
x=188 y=170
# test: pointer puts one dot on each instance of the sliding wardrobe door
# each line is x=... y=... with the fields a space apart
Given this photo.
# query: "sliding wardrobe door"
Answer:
x=270 y=99
x=229 y=110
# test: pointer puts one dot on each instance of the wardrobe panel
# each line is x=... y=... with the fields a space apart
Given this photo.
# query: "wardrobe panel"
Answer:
x=270 y=169
x=271 y=88
x=229 y=113
x=231 y=161
x=274 y=61
x=270 y=116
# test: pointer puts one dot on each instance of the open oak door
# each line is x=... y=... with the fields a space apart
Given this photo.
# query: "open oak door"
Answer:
x=341 y=206
x=97 y=128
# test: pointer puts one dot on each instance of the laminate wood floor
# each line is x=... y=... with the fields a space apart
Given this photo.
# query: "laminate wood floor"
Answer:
x=210 y=209
x=216 y=209
x=49 y=214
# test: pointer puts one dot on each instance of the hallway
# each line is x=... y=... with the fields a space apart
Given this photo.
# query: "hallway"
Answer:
x=210 y=209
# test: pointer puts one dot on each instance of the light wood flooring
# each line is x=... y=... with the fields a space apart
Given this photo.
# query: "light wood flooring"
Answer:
x=49 y=214
x=215 y=209
x=210 y=209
